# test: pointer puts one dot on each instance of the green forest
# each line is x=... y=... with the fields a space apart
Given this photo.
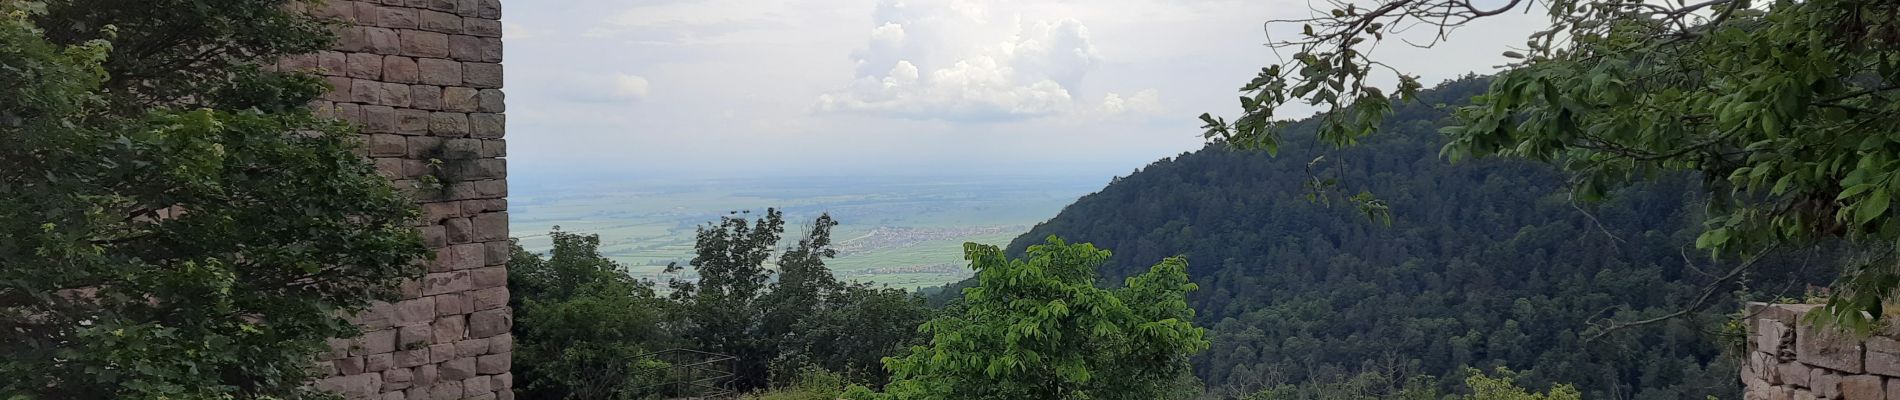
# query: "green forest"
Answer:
x=1485 y=264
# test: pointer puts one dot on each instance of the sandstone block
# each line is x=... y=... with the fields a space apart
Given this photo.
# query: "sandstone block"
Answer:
x=471 y=348
x=491 y=50
x=465 y=47
x=368 y=13
x=411 y=121
x=1883 y=356
x=427 y=375
x=415 y=336
x=424 y=147
x=1862 y=387
x=365 y=91
x=415 y=311
x=379 y=119
x=416 y=43
x=1768 y=336
x=490 y=298
x=399 y=17
x=1828 y=347
x=390 y=168
x=374 y=342
x=441 y=5
x=491 y=226
x=412 y=358
x=446 y=391
x=393 y=95
x=351 y=365
x=298 y=63
x=493 y=148
x=482 y=75
x=387 y=145
x=425 y=97
x=502 y=381
x=476 y=386
x=442 y=351
x=450 y=329
x=460 y=99
x=434 y=236
x=467 y=256
x=445 y=282
x=339 y=89
x=488 y=323
x=398 y=378
x=460 y=230
x=493 y=363
x=1794 y=373
x=358 y=386
x=488 y=125
x=378 y=362
x=437 y=21
x=461 y=149
x=383 y=41
x=399 y=69
x=488 y=9
x=453 y=303
x=503 y=343
x=458 y=369
x=498 y=251
x=451 y=124
x=481 y=27
x=1824 y=383
x=492 y=188
x=335 y=10
x=491 y=101
x=440 y=72
x=489 y=277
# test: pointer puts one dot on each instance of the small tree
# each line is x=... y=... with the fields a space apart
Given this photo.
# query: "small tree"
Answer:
x=175 y=223
x=1038 y=328
x=720 y=311
x=584 y=326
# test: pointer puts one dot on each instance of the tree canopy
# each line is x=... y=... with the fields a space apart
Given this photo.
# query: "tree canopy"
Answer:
x=1783 y=107
x=175 y=222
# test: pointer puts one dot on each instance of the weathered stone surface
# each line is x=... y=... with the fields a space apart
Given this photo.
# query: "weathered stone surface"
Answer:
x=440 y=72
x=503 y=343
x=1824 y=383
x=379 y=119
x=493 y=363
x=471 y=348
x=415 y=336
x=358 y=386
x=1862 y=387
x=482 y=75
x=446 y=391
x=487 y=125
x=461 y=149
x=465 y=47
x=351 y=365
x=1829 y=348
x=450 y=329
x=481 y=27
x=476 y=386
x=412 y=121
x=417 y=43
x=458 y=369
x=374 y=342
x=413 y=358
x=491 y=101
x=1768 y=335
x=437 y=21
x=1883 y=356
x=398 y=378
x=453 y=303
x=364 y=91
x=424 y=147
x=465 y=256
x=383 y=41
x=460 y=99
x=490 y=298
x=451 y=124
x=502 y=381
x=494 y=148
x=460 y=230
x=399 y=69
x=491 y=226
x=387 y=145
x=415 y=312
x=399 y=17
x=1794 y=373
x=489 y=277
x=378 y=362
x=488 y=323
x=445 y=282
x=393 y=95
x=442 y=351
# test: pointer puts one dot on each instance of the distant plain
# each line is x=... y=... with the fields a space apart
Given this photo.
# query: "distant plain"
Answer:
x=905 y=232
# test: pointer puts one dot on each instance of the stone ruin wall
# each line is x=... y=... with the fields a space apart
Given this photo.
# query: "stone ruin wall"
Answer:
x=421 y=80
x=1788 y=357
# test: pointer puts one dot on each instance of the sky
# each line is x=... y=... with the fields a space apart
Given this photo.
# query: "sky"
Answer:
x=720 y=88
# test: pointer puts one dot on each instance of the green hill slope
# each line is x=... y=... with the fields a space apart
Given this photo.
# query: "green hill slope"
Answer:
x=1485 y=264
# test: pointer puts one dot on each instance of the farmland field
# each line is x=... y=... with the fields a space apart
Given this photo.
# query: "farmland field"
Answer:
x=898 y=231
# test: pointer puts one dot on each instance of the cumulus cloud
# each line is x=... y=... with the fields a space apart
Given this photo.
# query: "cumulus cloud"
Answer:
x=631 y=87
x=935 y=63
x=1142 y=102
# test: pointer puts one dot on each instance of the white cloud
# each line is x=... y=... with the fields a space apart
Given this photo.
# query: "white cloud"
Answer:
x=631 y=87
x=934 y=63
x=1147 y=101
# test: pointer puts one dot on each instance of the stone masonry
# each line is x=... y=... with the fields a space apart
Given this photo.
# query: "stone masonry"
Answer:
x=1789 y=358
x=421 y=80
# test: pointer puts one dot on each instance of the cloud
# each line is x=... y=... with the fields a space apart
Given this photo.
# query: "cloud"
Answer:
x=631 y=87
x=934 y=63
x=1147 y=101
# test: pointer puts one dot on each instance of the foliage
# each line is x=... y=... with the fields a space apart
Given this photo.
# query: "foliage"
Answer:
x=1364 y=386
x=720 y=311
x=176 y=224
x=1501 y=387
x=1038 y=328
x=585 y=328
x=1487 y=263
x=1784 y=106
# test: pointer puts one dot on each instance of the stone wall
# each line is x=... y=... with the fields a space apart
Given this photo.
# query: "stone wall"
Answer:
x=1789 y=358
x=422 y=79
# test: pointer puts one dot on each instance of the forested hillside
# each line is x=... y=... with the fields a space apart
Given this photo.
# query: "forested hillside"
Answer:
x=1485 y=264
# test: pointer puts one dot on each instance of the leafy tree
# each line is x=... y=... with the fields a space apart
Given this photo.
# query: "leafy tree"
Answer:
x=720 y=311
x=175 y=223
x=1501 y=387
x=1784 y=107
x=822 y=324
x=1039 y=328
x=585 y=327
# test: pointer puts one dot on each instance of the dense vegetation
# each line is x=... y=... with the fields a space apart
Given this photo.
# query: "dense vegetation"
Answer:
x=1485 y=264
x=588 y=331
x=1785 y=106
x=175 y=223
